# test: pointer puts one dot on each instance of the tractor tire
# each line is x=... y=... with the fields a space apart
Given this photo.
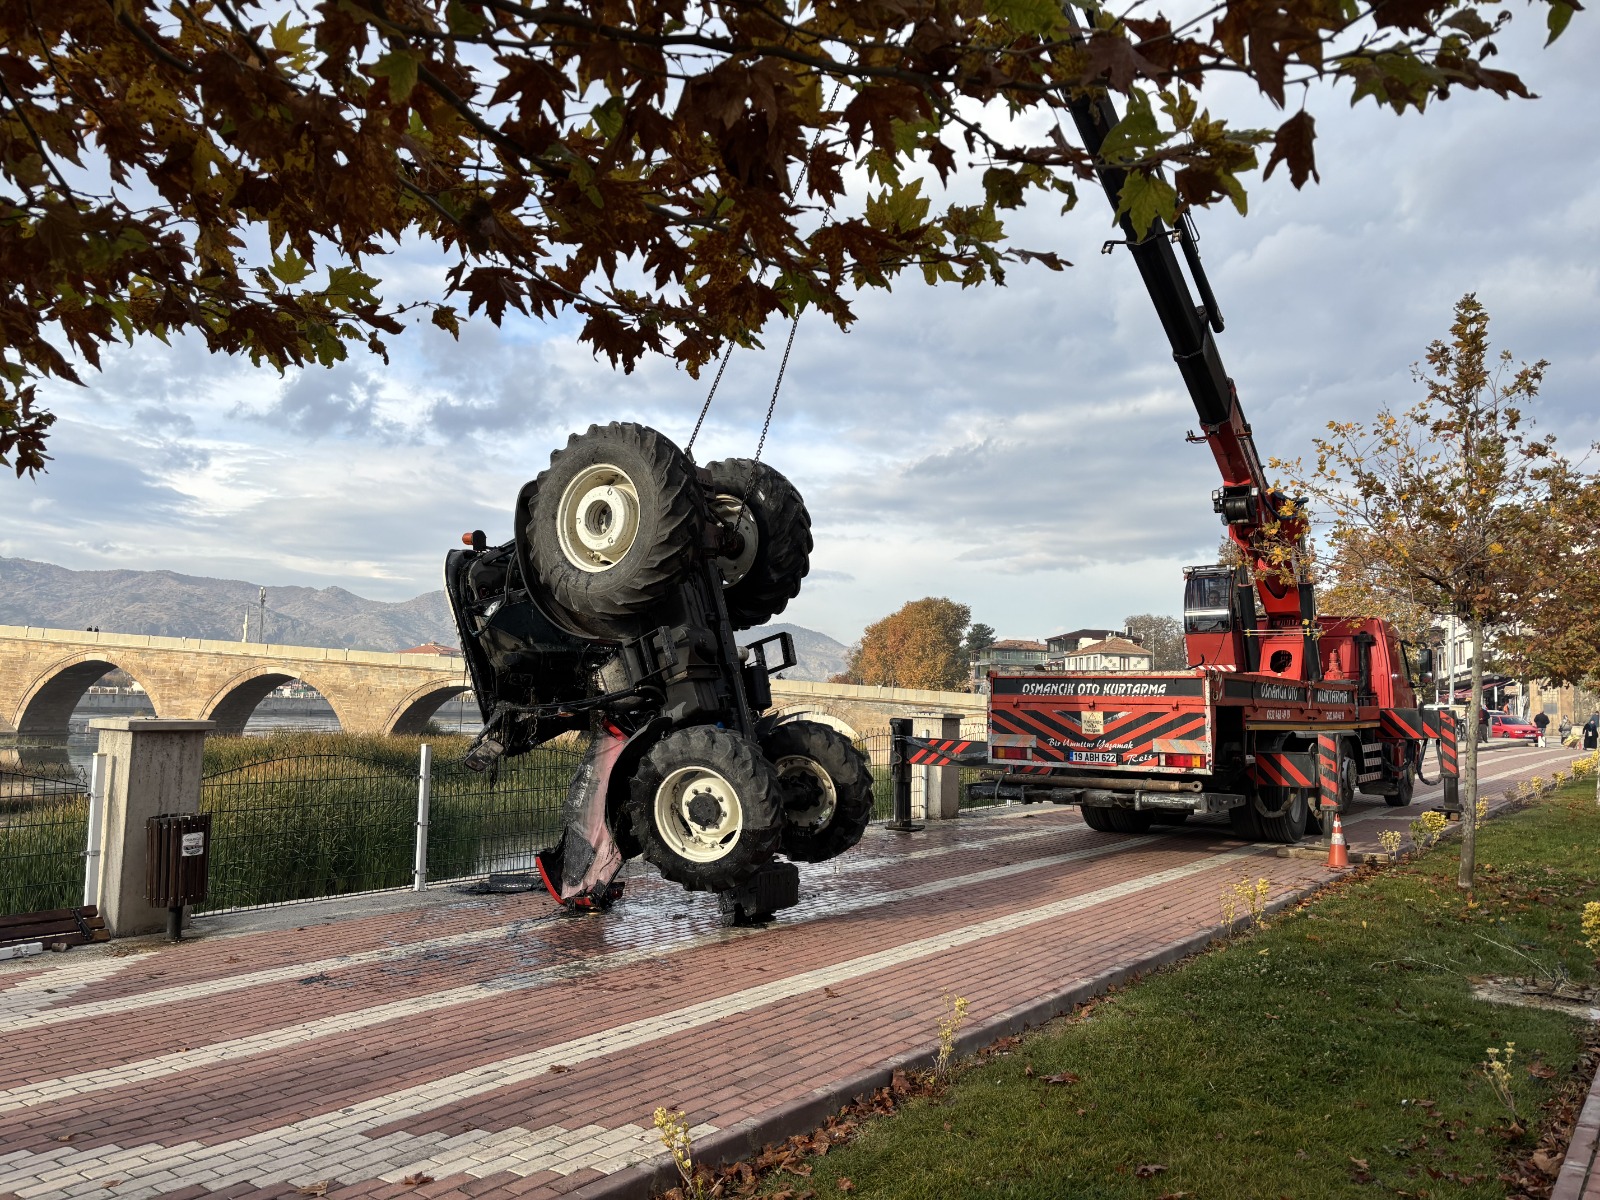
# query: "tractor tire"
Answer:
x=760 y=581
x=616 y=522
x=1096 y=817
x=1127 y=820
x=706 y=808
x=826 y=786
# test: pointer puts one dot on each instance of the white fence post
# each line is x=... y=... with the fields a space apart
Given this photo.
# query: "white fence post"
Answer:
x=424 y=790
x=99 y=765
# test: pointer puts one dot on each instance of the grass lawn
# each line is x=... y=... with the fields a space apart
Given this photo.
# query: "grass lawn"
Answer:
x=1335 y=1053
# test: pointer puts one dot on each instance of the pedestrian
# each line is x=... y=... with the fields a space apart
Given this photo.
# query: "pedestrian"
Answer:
x=1542 y=720
x=1565 y=728
x=1591 y=731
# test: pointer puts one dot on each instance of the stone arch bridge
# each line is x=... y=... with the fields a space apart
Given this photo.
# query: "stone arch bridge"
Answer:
x=45 y=672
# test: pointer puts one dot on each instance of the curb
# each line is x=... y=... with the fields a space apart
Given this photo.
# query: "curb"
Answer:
x=745 y=1139
x=1583 y=1152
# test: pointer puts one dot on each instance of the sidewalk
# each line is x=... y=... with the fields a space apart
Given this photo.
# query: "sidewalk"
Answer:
x=488 y=1046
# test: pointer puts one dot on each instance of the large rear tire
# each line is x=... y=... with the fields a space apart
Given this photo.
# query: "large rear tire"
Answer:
x=615 y=525
x=705 y=808
x=768 y=512
x=1289 y=826
x=1127 y=820
x=1405 y=788
x=826 y=786
x=1096 y=817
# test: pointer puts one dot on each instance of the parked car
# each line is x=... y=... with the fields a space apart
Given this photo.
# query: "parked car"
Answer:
x=1505 y=725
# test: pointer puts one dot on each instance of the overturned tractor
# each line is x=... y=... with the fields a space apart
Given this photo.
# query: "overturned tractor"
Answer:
x=613 y=611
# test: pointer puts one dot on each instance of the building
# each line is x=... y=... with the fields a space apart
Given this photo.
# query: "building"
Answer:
x=432 y=648
x=1009 y=655
x=1063 y=644
x=1109 y=654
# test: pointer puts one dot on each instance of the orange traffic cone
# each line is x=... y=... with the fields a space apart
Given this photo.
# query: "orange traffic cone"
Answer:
x=1338 y=857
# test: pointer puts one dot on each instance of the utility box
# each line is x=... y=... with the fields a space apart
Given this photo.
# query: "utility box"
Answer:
x=179 y=847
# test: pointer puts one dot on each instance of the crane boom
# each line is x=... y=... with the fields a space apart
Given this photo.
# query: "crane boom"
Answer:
x=1257 y=516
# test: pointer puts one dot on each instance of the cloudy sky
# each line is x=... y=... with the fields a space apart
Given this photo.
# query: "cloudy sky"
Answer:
x=1019 y=449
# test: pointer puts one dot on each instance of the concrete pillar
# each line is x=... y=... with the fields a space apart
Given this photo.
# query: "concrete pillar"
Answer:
x=935 y=791
x=154 y=768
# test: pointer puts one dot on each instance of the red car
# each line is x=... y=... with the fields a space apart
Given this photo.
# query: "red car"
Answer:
x=1504 y=725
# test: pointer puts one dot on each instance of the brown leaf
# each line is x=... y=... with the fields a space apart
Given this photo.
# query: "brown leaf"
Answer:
x=1064 y=1077
x=1149 y=1170
x=417 y=1180
x=830 y=993
x=1546 y=1162
x=1540 y=1071
x=559 y=1069
x=1293 y=146
x=319 y=1188
x=111 y=1183
x=1361 y=1164
x=844 y=1184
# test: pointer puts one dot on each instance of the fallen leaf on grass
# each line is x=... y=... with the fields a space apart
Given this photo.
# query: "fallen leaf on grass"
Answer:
x=1540 y=1071
x=1027 y=1071
x=319 y=1188
x=1149 y=1170
x=417 y=1180
x=844 y=1184
x=1175 y=1196
x=1547 y=1162
x=1064 y=1077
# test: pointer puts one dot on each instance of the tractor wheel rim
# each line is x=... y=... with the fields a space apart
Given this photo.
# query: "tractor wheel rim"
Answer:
x=730 y=510
x=798 y=768
x=597 y=519
x=698 y=814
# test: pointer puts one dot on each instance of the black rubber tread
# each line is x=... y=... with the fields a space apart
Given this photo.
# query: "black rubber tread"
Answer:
x=1170 y=818
x=1244 y=821
x=851 y=775
x=1096 y=817
x=740 y=762
x=1127 y=820
x=1287 y=828
x=672 y=517
x=1406 y=787
x=784 y=526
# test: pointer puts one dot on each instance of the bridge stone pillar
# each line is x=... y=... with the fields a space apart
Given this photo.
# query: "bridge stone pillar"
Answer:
x=936 y=791
x=154 y=768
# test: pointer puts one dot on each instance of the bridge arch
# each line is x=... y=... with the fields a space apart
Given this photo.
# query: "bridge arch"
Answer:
x=48 y=701
x=814 y=712
x=231 y=706
x=411 y=716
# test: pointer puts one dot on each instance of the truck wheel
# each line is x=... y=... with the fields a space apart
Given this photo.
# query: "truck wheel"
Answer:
x=1127 y=820
x=1244 y=821
x=767 y=511
x=616 y=521
x=1169 y=818
x=705 y=808
x=1096 y=817
x=1405 y=787
x=826 y=785
x=1287 y=827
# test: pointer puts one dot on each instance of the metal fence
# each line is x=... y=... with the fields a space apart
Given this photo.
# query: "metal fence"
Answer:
x=878 y=749
x=317 y=825
x=44 y=828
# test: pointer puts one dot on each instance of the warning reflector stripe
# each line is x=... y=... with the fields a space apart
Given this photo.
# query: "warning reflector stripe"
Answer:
x=945 y=752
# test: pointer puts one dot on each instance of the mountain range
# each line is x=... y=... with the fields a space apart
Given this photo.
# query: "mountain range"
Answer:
x=168 y=604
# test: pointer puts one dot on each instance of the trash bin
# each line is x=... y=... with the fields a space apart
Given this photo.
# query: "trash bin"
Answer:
x=179 y=846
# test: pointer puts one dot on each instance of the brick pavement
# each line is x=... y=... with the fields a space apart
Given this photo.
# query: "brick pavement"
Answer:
x=502 y=1049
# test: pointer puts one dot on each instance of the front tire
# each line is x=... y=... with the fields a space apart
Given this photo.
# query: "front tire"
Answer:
x=827 y=790
x=705 y=808
x=616 y=521
x=768 y=512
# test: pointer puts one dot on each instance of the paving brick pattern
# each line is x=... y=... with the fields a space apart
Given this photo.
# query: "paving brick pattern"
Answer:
x=500 y=1048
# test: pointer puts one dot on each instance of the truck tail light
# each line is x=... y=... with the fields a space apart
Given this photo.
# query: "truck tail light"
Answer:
x=1020 y=752
x=1192 y=761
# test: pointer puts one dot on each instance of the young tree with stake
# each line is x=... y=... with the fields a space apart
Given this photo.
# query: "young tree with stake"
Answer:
x=1452 y=506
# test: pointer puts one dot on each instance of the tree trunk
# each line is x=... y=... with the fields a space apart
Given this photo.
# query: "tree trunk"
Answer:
x=1469 y=765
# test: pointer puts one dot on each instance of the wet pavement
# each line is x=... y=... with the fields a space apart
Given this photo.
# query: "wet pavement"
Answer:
x=451 y=1045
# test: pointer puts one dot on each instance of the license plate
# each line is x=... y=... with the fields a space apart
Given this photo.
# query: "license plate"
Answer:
x=1094 y=756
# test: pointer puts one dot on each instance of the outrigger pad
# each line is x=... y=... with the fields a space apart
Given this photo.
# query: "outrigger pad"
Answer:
x=776 y=885
x=578 y=871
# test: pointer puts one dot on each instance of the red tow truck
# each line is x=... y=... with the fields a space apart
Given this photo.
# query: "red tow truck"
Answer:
x=1283 y=713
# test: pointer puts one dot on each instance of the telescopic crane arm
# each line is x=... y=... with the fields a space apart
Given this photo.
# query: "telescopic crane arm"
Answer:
x=1246 y=502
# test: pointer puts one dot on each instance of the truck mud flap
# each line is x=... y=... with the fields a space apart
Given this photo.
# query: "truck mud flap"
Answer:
x=580 y=870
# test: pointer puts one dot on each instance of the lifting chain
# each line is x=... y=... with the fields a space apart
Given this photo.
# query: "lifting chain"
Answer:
x=783 y=365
